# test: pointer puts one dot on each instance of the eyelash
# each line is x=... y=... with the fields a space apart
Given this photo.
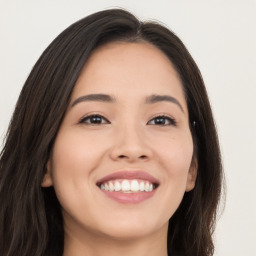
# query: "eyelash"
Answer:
x=87 y=120
x=170 y=120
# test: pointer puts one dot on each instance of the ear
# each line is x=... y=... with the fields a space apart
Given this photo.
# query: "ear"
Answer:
x=192 y=174
x=47 y=180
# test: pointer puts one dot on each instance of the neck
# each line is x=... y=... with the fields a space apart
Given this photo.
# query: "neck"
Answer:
x=89 y=244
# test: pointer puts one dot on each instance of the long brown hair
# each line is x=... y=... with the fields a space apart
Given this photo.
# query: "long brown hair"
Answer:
x=30 y=216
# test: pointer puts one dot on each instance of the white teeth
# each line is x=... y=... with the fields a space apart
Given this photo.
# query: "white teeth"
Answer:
x=111 y=186
x=127 y=186
x=117 y=186
x=142 y=186
x=135 y=186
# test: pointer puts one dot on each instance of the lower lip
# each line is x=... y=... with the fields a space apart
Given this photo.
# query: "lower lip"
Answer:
x=129 y=198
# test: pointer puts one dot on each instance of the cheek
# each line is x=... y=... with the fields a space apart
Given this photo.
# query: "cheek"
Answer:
x=175 y=156
x=73 y=153
x=175 y=153
x=73 y=160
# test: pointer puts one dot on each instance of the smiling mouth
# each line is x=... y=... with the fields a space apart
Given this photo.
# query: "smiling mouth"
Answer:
x=128 y=186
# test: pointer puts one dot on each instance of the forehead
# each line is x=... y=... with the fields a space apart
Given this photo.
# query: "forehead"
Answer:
x=124 y=68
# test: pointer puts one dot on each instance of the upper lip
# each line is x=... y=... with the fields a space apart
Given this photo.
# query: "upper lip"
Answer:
x=141 y=175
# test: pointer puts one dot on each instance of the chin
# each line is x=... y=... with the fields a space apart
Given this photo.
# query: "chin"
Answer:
x=129 y=233
x=131 y=227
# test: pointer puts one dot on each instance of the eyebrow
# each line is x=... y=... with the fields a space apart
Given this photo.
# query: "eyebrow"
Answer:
x=94 y=97
x=159 y=98
x=110 y=99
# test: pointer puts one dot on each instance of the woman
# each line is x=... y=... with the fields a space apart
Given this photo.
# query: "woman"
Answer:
x=112 y=147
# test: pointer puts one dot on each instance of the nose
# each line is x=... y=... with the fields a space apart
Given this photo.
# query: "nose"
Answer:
x=130 y=145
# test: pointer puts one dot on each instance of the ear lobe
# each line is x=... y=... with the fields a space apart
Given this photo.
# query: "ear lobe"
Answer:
x=192 y=174
x=47 y=180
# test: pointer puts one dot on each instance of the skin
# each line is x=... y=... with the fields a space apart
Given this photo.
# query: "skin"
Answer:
x=129 y=138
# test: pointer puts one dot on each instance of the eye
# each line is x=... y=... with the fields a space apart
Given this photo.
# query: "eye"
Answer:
x=94 y=120
x=162 y=121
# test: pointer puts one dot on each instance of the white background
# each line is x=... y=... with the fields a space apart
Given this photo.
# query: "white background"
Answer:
x=221 y=36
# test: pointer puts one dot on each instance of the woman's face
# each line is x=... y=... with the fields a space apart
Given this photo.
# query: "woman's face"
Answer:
x=125 y=133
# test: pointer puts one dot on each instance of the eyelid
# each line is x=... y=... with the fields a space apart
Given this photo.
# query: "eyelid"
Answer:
x=171 y=119
x=82 y=120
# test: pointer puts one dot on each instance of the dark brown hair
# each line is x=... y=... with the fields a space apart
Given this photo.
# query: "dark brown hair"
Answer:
x=30 y=216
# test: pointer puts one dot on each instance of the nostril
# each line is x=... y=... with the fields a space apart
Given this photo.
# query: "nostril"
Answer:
x=142 y=157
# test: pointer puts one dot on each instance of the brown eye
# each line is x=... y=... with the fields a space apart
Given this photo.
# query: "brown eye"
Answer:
x=94 y=119
x=162 y=121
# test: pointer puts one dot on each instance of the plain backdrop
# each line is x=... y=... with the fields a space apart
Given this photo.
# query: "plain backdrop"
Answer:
x=220 y=35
